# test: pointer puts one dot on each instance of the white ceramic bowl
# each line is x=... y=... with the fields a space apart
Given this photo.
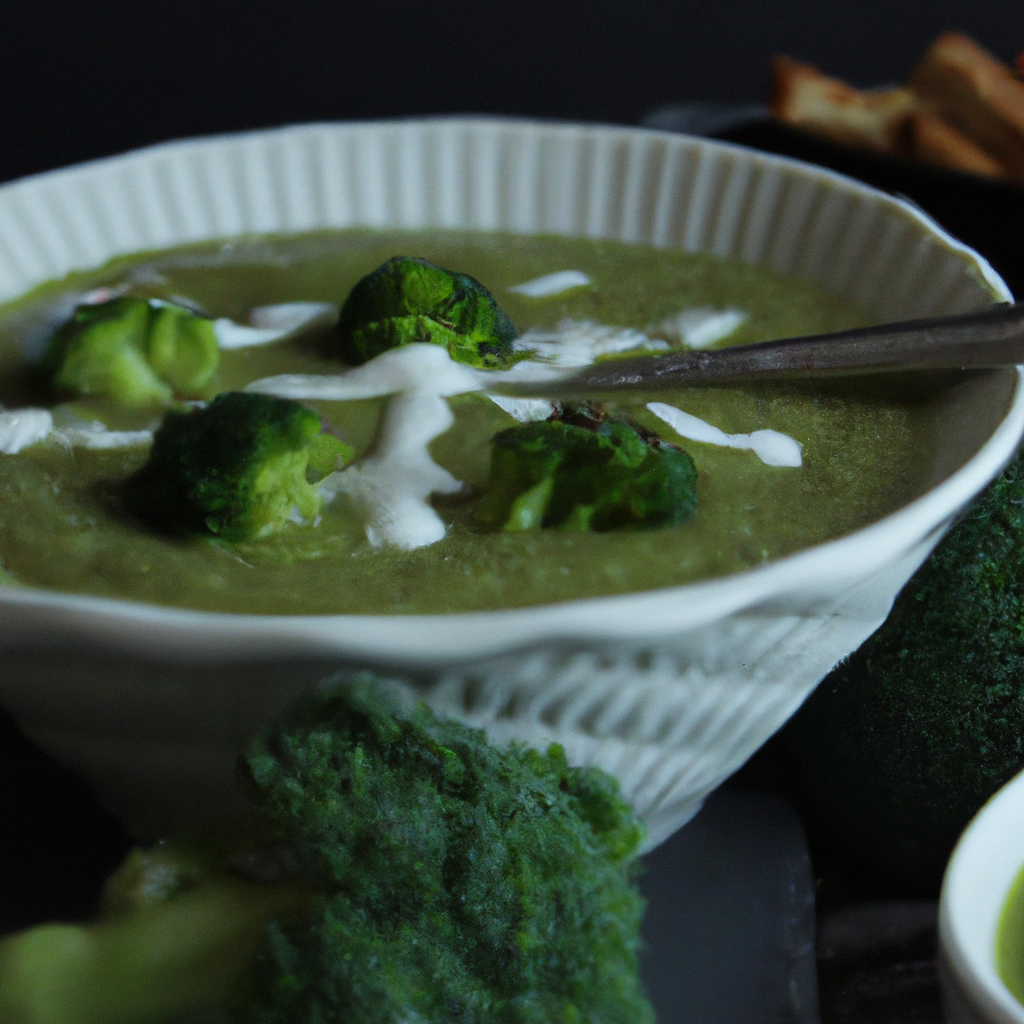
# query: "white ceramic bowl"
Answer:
x=671 y=690
x=981 y=872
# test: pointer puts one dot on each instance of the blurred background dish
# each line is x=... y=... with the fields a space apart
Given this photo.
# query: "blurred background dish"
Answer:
x=959 y=90
x=986 y=863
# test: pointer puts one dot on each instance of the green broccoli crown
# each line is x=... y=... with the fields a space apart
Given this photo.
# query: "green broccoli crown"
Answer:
x=135 y=352
x=901 y=744
x=408 y=299
x=235 y=469
x=458 y=880
x=586 y=472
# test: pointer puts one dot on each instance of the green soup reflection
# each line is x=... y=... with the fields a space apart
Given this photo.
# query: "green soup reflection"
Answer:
x=865 y=453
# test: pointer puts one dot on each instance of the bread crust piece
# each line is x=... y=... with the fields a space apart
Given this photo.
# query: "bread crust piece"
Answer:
x=935 y=141
x=806 y=98
x=978 y=95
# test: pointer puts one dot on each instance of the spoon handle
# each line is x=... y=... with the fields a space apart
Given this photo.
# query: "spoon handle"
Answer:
x=991 y=337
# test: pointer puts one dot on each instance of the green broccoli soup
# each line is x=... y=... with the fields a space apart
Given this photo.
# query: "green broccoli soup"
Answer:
x=413 y=490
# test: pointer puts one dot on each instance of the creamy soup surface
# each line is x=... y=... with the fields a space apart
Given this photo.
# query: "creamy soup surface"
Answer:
x=863 y=454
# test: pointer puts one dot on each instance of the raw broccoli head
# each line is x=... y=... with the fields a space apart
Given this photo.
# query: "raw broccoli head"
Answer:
x=902 y=743
x=458 y=880
x=134 y=351
x=235 y=469
x=586 y=472
x=409 y=299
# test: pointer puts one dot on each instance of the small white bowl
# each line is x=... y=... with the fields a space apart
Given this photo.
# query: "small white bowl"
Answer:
x=985 y=864
x=671 y=690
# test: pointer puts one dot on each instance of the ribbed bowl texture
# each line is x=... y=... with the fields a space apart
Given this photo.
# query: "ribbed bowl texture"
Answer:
x=670 y=690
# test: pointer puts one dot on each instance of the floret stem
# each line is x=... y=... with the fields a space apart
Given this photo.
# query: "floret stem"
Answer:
x=189 y=952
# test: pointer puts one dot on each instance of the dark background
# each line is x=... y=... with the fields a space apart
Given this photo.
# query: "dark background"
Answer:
x=81 y=80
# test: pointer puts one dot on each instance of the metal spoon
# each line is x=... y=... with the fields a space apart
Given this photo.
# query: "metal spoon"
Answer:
x=990 y=338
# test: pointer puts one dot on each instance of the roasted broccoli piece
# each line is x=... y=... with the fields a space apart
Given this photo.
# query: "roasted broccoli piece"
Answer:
x=235 y=469
x=408 y=299
x=583 y=471
x=135 y=351
x=409 y=869
x=902 y=743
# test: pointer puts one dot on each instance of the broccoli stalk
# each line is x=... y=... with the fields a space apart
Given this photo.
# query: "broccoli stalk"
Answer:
x=902 y=743
x=586 y=472
x=179 y=930
x=409 y=299
x=235 y=469
x=136 y=352
x=415 y=872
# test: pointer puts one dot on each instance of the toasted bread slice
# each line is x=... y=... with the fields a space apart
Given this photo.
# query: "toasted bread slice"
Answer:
x=806 y=98
x=936 y=141
x=977 y=94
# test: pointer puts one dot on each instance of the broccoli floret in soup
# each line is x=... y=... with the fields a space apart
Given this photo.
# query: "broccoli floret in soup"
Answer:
x=135 y=351
x=238 y=469
x=583 y=471
x=409 y=299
